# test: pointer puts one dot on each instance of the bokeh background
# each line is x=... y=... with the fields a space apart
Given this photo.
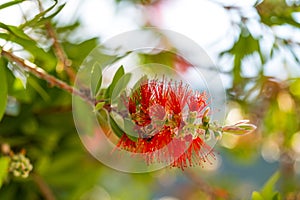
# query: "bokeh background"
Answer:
x=255 y=45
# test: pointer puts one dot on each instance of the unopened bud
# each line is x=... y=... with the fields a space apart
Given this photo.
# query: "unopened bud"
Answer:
x=240 y=128
x=20 y=166
x=5 y=148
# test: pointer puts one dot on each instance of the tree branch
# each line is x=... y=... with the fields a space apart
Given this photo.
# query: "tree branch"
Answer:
x=42 y=74
x=63 y=61
x=44 y=188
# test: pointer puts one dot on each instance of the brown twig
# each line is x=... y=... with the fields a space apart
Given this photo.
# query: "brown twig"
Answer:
x=60 y=53
x=44 y=188
x=63 y=60
x=42 y=74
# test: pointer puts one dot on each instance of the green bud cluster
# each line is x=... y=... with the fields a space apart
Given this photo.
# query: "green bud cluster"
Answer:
x=20 y=166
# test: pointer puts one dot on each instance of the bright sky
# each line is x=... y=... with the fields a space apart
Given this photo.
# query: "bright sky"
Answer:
x=203 y=21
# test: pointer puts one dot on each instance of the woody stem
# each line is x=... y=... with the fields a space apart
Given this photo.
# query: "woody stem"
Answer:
x=42 y=74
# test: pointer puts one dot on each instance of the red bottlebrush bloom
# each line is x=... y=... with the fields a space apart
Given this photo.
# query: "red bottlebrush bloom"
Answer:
x=138 y=105
x=197 y=102
x=131 y=106
x=126 y=143
x=168 y=130
x=196 y=153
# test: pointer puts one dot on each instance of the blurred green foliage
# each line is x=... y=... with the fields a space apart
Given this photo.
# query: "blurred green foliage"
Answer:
x=38 y=117
x=267 y=191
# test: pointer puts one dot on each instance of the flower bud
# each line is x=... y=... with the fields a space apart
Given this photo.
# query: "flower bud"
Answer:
x=20 y=166
x=240 y=128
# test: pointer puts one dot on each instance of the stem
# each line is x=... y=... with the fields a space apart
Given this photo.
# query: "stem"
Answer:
x=44 y=188
x=42 y=74
x=60 y=53
x=63 y=61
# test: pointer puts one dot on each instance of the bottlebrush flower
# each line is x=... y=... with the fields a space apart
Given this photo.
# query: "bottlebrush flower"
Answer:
x=167 y=118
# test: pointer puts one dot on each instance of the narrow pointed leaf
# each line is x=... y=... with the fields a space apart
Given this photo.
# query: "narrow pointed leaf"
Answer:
x=42 y=57
x=11 y=3
x=37 y=17
x=44 y=19
x=120 y=72
x=96 y=79
x=99 y=106
x=15 y=31
x=140 y=82
x=129 y=129
x=120 y=87
x=115 y=127
x=268 y=188
x=257 y=196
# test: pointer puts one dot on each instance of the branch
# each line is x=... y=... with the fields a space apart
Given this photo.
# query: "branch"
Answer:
x=60 y=53
x=42 y=74
x=44 y=188
x=63 y=61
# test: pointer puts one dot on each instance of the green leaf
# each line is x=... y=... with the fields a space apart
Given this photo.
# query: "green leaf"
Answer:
x=103 y=118
x=129 y=129
x=164 y=58
x=17 y=90
x=276 y=196
x=132 y=138
x=244 y=46
x=257 y=196
x=114 y=126
x=40 y=18
x=79 y=51
x=120 y=86
x=39 y=89
x=120 y=72
x=295 y=88
x=268 y=188
x=15 y=31
x=42 y=58
x=11 y=3
x=141 y=81
x=267 y=192
x=96 y=79
x=68 y=27
x=55 y=13
x=4 y=164
x=274 y=13
x=45 y=19
x=99 y=106
x=3 y=89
